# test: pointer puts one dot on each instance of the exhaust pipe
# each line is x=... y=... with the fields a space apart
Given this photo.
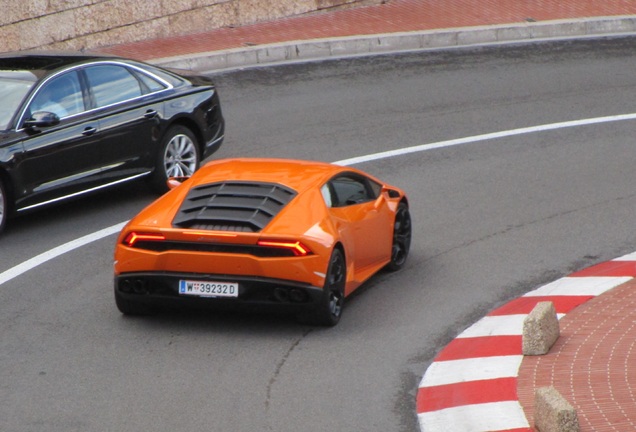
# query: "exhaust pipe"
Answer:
x=297 y=295
x=281 y=294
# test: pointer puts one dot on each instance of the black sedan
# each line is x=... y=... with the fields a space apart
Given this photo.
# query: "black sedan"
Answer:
x=73 y=123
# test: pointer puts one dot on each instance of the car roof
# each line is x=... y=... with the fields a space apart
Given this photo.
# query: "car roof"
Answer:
x=41 y=63
x=296 y=174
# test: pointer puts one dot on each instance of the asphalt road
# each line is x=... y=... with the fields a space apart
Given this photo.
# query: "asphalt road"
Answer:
x=492 y=219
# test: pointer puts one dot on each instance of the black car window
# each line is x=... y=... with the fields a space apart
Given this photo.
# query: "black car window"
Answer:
x=112 y=84
x=14 y=86
x=150 y=84
x=165 y=75
x=61 y=95
x=351 y=189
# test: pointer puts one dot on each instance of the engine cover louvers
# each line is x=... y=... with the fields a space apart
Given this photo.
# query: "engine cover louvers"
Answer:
x=232 y=206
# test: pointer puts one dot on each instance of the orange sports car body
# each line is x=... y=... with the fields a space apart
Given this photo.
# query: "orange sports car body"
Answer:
x=295 y=235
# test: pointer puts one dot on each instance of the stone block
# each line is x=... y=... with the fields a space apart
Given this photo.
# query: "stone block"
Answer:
x=476 y=36
x=252 y=11
x=350 y=46
x=435 y=39
x=396 y=41
x=9 y=37
x=552 y=413
x=540 y=329
x=313 y=50
x=208 y=18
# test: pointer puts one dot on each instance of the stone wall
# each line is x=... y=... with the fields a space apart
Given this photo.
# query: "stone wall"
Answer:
x=88 y=24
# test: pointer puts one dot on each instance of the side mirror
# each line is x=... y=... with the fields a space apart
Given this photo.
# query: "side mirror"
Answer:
x=42 y=119
x=392 y=193
x=173 y=182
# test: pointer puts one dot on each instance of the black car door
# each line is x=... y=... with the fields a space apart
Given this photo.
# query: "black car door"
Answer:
x=129 y=111
x=58 y=159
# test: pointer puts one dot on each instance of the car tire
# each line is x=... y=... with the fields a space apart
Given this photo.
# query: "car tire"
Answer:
x=131 y=308
x=4 y=206
x=178 y=157
x=329 y=309
x=401 y=238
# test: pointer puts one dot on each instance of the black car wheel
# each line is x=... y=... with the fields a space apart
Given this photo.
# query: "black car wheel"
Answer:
x=401 y=238
x=179 y=156
x=329 y=310
x=4 y=210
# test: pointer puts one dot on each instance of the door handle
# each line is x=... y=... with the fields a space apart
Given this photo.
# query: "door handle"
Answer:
x=89 y=131
x=150 y=114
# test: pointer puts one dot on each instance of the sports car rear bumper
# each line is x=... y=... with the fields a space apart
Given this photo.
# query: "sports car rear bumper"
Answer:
x=162 y=290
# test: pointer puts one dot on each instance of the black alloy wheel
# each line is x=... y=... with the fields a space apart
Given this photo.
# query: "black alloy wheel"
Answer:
x=329 y=310
x=401 y=238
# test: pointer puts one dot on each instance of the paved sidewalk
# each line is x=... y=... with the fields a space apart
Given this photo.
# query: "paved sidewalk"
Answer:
x=393 y=26
x=482 y=382
x=593 y=363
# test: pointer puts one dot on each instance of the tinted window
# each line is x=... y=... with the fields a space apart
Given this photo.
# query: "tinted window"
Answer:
x=13 y=88
x=376 y=188
x=350 y=190
x=165 y=75
x=150 y=84
x=61 y=95
x=112 y=84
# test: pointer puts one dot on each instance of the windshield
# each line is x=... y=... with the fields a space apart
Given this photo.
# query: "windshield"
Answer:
x=14 y=85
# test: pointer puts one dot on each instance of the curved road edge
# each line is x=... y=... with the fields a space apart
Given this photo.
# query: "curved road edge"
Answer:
x=472 y=383
x=365 y=45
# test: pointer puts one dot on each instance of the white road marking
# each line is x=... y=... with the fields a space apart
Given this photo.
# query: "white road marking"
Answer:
x=579 y=286
x=476 y=418
x=628 y=257
x=501 y=325
x=57 y=251
x=83 y=241
x=484 y=137
x=471 y=369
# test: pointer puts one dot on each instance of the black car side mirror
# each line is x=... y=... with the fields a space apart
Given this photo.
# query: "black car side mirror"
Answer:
x=42 y=119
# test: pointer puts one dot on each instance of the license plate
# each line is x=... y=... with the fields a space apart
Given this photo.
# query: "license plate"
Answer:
x=208 y=288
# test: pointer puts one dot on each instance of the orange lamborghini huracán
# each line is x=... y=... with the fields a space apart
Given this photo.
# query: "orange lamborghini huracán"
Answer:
x=290 y=235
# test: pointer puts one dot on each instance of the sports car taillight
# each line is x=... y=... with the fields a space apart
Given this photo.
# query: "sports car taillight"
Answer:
x=297 y=248
x=134 y=237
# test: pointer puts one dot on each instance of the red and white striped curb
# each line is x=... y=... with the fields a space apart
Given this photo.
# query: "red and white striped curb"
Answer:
x=471 y=386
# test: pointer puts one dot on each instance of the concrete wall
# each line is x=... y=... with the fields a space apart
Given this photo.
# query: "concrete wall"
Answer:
x=88 y=24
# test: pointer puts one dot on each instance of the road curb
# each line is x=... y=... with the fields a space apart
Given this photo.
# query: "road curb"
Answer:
x=352 y=46
x=471 y=385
